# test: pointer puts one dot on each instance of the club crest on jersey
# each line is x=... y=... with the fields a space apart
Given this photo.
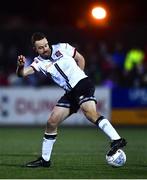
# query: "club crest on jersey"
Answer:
x=58 y=54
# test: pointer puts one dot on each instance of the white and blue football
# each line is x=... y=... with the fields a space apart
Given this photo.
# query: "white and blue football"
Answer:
x=118 y=159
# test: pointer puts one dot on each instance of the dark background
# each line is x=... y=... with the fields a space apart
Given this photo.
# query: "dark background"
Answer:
x=126 y=19
x=66 y=13
x=70 y=21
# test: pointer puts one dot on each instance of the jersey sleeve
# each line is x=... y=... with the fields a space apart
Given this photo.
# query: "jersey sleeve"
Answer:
x=35 y=65
x=71 y=51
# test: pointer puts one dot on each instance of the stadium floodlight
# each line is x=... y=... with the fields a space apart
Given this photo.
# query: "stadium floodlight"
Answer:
x=98 y=12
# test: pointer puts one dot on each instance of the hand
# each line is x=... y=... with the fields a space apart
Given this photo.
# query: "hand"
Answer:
x=21 y=60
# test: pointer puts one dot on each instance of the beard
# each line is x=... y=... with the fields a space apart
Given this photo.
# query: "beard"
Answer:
x=45 y=55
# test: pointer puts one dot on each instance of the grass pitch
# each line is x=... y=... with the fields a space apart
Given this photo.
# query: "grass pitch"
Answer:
x=79 y=153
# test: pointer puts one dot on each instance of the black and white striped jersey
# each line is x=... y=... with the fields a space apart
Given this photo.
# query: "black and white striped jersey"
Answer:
x=60 y=66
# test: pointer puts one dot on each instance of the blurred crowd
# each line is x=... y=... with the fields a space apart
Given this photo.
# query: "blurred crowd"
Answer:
x=116 y=66
x=107 y=65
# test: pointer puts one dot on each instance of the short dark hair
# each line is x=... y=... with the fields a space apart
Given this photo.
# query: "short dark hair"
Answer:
x=37 y=36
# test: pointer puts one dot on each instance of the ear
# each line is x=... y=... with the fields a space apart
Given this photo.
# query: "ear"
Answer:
x=34 y=48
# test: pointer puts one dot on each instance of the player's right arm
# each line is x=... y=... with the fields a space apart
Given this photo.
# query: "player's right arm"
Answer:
x=22 y=71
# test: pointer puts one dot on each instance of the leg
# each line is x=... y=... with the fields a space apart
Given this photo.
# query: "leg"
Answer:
x=57 y=116
x=89 y=109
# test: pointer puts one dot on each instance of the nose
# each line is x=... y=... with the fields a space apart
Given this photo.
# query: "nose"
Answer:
x=44 y=49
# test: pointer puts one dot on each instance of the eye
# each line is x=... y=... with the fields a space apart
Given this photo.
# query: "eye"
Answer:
x=46 y=45
x=40 y=47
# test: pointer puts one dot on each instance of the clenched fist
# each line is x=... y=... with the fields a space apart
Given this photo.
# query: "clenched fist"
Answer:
x=21 y=60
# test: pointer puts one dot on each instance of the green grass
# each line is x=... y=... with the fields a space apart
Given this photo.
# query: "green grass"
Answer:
x=79 y=153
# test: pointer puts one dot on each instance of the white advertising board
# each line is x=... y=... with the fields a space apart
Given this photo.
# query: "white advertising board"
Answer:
x=32 y=106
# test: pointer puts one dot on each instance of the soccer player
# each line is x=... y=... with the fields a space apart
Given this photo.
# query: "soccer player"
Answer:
x=65 y=65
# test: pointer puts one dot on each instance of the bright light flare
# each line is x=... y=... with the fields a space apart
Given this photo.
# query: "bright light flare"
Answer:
x=98 y=13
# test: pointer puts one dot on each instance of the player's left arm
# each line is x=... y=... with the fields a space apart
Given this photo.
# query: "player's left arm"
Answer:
x=80 y=60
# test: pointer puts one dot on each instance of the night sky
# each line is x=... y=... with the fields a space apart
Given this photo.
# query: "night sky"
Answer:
x=68 y=12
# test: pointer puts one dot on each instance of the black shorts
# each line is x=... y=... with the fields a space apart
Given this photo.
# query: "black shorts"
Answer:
x=82 y=92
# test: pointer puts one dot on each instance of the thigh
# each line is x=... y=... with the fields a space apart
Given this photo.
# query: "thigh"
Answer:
x=59 y=114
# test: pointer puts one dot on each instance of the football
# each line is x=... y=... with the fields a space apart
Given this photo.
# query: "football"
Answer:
x=118 y=159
